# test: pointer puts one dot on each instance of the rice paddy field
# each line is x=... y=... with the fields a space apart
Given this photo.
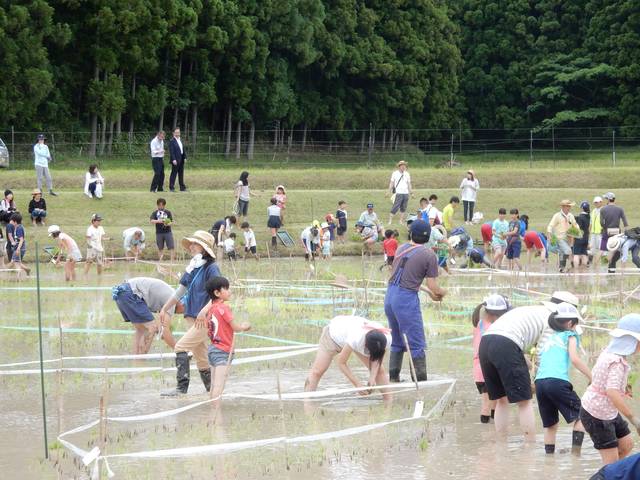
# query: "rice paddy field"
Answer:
x=265 y=428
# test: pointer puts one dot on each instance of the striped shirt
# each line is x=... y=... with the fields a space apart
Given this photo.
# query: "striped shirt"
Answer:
x=523 y=325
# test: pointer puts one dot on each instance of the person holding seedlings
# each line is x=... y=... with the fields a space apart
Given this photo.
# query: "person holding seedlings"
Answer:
x=281 y=201
x=603 y=404
x=216 y=318
x=133 y=242
x=561 y=225
x=486 y=230
x=68 y=247
x=499 y=228
x=504 y=366
x=476 y=256
x=138 y=299
x=38 y=208
x=273 y=221
x=483 y=316
x=341 y=216
x=162 y=219
x=16 y=244
x=554 y=391
x=95 y=250
x=413 y=263
x=536 y=245
x=347 y=334
x=222 y=228
x=250 y=245
x=229 y=246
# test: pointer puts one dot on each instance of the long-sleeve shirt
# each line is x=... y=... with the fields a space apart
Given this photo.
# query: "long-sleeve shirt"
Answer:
x=559 y=225
x=157 y=148
x=611 y=215
x=41 y=155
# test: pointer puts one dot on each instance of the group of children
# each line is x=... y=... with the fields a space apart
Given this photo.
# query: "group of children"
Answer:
x=502 y=337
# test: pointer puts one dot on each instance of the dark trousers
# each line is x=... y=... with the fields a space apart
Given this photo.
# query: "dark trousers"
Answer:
x=157 y=184
x=635 y=258
x=468 y=210
x=179 y=171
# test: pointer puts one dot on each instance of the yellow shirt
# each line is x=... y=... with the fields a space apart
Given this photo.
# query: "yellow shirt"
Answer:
x=447 y=217
x=595 y=227
x=559 y=225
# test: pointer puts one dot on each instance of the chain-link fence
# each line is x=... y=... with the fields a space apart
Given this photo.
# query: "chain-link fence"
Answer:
x=280 y=147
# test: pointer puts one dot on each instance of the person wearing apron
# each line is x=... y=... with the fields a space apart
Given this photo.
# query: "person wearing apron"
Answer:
x=413 y=264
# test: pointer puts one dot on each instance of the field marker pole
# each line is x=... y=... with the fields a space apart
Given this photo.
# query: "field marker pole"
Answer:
x=613 y=148
x=44 y=408
x=530 y=148
x=13 y=145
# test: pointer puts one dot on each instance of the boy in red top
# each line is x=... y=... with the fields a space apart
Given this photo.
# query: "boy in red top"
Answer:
x=389 y=246
x=218 y=318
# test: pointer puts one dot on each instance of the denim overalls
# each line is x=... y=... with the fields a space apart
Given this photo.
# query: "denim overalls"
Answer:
x=402 y=308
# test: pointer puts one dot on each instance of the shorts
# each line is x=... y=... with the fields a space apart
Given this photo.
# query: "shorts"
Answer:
x=556 y=396
x=604 y=433
x=132 y=307
x=504 y=369
x=274 y=222
x=487 y=232
x=75 y=255
x=95 y=255
x=327 y=344
x=165 y=240
x=390 y=260
x=513 y=249
x=218 y=357
x=251 y=249
x=16 y=257
x=580 y=247
x=231 y=255
x=326 y=248
x=341 y=230
x=3 y=248
x=499 y=248
x=400 y=203
x=482 y=387
x=594 y=242
x=243 y=207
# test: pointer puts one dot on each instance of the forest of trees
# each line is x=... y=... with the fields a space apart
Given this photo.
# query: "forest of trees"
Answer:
x=115 y=66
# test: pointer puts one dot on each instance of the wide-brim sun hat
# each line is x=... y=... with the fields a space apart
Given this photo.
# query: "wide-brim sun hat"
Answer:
x=281 y=187
x=453 y=241
x=53 y=229
x=36 y=191
x=471 y=172
x=402 y=162
x=613 y=243
x=567 y=203
x=626 y=335
x=562 y=296
x=202 y=238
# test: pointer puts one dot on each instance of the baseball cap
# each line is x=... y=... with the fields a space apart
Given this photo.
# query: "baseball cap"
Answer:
x=597 y=199
x=496 y=303
x=584 y=205
x=609 y=196
x=420 y=231
x=53 y=229
x=95 y=217
x=369 y=205
x=566 y=311
x=626 y=335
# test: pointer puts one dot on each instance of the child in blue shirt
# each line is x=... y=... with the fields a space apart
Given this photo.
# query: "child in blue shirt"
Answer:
x=498 y=242
x=16 y=240
x=554 y=392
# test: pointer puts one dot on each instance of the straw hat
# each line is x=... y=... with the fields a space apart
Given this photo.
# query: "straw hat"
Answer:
x=202 y=238
x=471 y=172
x=36 y=191
x=402 y=162
x=281 y=187
x=613 y=243
x=567 y=203
x=340 y=282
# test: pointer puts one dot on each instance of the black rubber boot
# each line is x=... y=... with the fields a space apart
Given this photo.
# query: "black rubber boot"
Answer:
x=182 y=376
x=205 y=375
x=563 y=263
x=420 y=364
x=395 y=365
x=273 y=242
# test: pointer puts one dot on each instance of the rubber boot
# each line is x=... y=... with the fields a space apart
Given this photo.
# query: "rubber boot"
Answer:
x=563 y=263
x=205 y=375
x=420 y=364
x=395 y=365
x=182 y=376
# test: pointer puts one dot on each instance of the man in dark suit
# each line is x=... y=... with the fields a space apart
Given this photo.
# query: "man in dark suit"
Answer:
x=178 y=156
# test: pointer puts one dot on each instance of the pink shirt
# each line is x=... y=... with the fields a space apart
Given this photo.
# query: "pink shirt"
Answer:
x=477 y=336
x=611 y=372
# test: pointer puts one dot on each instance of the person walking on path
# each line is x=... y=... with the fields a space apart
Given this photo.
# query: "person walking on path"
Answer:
x=178 y=157
x=42 y=157
x=413 y=263
x=558 y=227
x=157 y=162
x=400 y=191
x=469 y=192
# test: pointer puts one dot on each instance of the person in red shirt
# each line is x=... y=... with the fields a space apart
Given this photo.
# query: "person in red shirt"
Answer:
x=389 y=246
x=535 y=244
x=218 y=318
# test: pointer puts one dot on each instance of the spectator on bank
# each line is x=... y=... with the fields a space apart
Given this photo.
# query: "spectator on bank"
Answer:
x=7 y=207
x=42 y=157
x=400 y=191
x=469 y=192
x=157 y=162
x=37 y=208
x=178 y=157
x=243 y=195
x=93 y=182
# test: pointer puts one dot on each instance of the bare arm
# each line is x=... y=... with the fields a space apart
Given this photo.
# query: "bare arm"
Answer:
x=240 y=327
x=201 y=319
x=435 y=291
x=342 y=359
x=576 y=360
x=618 y=401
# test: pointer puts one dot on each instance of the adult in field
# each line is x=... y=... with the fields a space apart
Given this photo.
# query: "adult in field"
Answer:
x=369 y=218
x=536 y=245
x=133 y=242
x=194 y=295
x=400 y=186
x=157 y=162
x=413 y=264
x=581 y=245
x=42 y=157
x=502 y=358
x=469 y=192
x=178 y=157
x=595 y=231
x=611 y=215
x=558 y=227
x=138 y=299
x=347 y=334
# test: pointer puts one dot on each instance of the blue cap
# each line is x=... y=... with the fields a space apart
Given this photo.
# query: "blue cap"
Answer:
x=419 y=231
x=584 y=205
x=369 y=205
x=626 y=336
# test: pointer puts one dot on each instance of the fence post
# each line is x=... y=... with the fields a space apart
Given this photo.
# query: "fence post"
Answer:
x=209 y=148
x=553 y=145
x=13 y=146
x=370 y=147
x=451 y=152
x=613 y=147
x=530 y=148
x=459 y=136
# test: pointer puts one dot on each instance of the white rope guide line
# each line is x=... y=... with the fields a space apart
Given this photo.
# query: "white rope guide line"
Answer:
x=130 y=370
x=155 y=356
x=94 y=457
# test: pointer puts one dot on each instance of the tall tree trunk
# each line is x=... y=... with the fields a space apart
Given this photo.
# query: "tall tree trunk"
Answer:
x=175 y=110
x=103 y=135
x=194 y=127
x=304 y=136
x=282 y=130
x=276 y=134
x=290 y=140
x=110 y=143
x=165 y=74
x=133 y=98
x=227 y=148
x=94 y=122
x=238 y=139
x=362 y=141
x=185 y=126
x=252 y=138
x=384 y=139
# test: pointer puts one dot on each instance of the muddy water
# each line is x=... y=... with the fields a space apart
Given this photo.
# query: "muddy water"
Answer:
x=287 y=306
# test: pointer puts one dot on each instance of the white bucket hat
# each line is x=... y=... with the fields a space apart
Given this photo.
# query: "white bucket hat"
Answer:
x=626 y=335
x=613 y=243
x=496 y=303
x=53 y=229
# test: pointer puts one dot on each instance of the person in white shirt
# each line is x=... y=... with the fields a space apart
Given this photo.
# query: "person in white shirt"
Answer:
x=229 y=246
x=157 y=162
x=347 y=334
x=250 y=244
x=400 y=186
x=308 y=236
x=133 y=242
x=95 y=249
x=274 y=221
x=93 y=182
x=42 y=157
x=469 y=189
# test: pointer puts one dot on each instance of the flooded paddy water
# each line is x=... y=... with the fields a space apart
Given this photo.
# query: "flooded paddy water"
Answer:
x=259 y=433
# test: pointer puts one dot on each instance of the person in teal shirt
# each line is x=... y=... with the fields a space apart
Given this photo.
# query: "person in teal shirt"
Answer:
x=498 y=241
x=557 y=349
